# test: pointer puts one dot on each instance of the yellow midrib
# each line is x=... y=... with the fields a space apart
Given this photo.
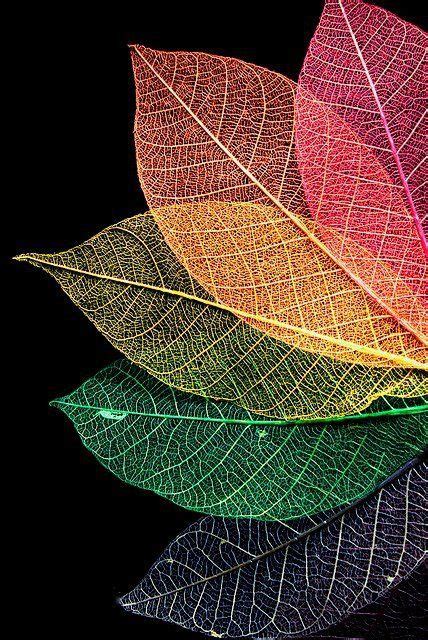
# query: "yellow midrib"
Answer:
x=352 y=346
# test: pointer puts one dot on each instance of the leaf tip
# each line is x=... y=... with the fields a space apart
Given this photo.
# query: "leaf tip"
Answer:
x=32 y=258
x=22 y=257
x=28 y=257
x=122 y=602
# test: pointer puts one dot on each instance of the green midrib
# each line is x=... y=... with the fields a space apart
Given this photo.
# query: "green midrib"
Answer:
x=354 y=417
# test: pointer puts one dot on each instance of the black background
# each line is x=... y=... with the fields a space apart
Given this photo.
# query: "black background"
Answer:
x=78 y=536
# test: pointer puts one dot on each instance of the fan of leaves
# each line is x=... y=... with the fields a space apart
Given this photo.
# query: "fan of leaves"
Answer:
x=281 y=276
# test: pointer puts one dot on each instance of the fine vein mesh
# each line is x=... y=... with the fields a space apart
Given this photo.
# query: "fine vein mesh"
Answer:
x=253 y=259
x=400 y=614
x=248 y=108
x=349 y=190
x=199 y=347
x=361 y=134
x=218 y=129
x=233 y=578
x=216 y=458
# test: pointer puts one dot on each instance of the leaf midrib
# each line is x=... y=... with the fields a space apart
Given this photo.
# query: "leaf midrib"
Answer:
x=415 y=410
x=408 y=466
x=403 y=361
x=395 y=154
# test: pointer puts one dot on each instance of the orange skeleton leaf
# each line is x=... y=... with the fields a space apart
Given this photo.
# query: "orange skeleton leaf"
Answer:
x=253 y=260
x=268 y=263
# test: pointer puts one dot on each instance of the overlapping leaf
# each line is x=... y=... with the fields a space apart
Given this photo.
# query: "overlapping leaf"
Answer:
x=129 y=284
x=208 y=129
x=249 y=258
x=233 y=578
x=219 y=459
x=361 y=127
